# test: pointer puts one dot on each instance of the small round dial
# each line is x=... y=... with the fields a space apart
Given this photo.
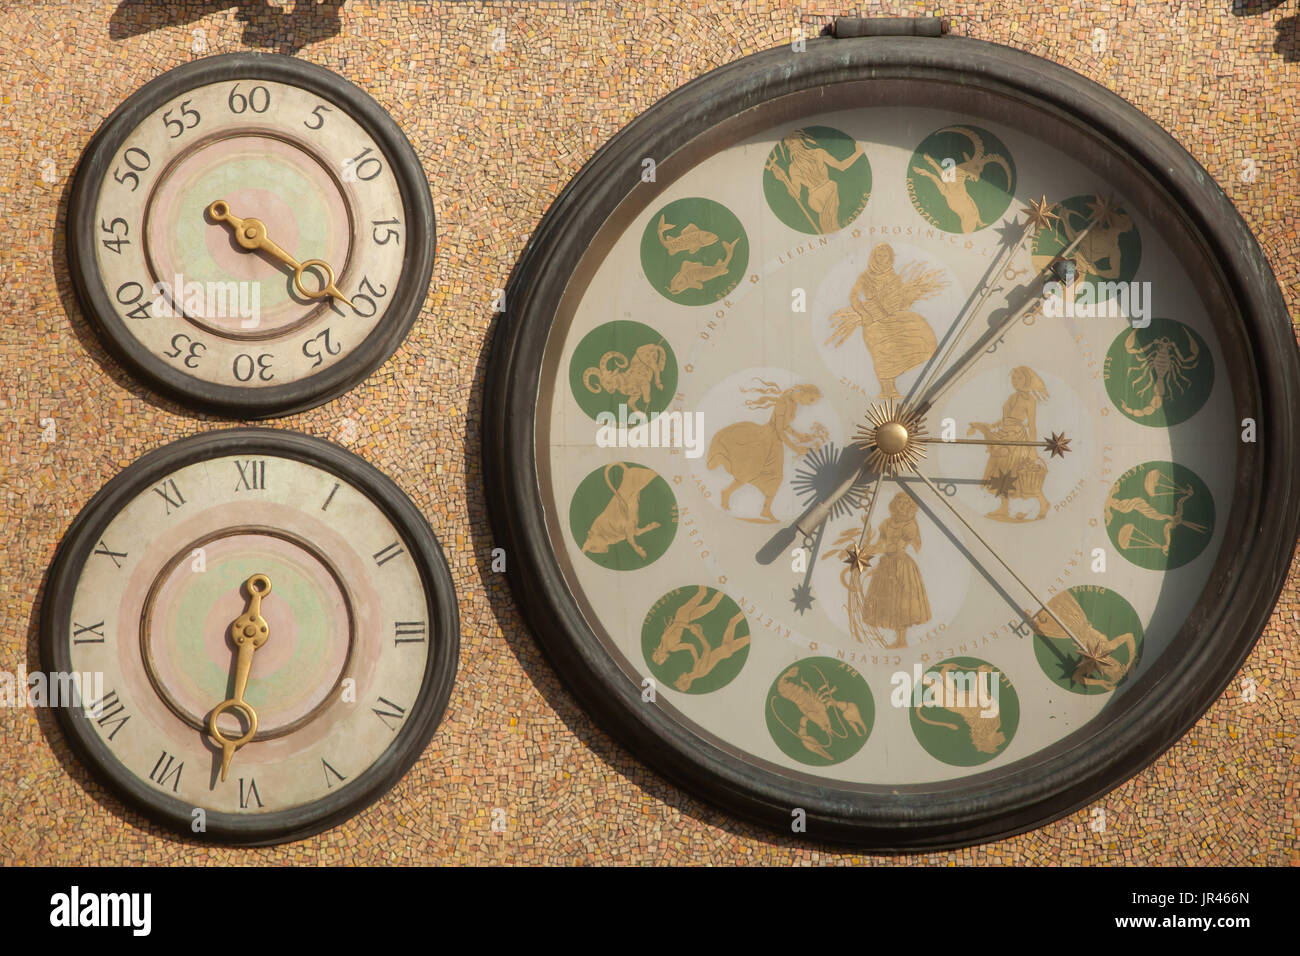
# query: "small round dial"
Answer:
x=251 y=234
x=269 y=631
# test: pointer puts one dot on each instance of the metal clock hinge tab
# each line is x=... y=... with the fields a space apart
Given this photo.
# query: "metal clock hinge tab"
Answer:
x=845 y=27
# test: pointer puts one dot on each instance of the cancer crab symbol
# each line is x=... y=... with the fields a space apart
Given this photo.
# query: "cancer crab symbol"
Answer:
x=836 y=719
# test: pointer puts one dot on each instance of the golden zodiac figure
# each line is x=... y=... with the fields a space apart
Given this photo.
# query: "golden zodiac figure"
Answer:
x=705 y=657
x=1015 y=471
x=808 y=167
x=1097 y=666
x=892 y=594
x=1159 y=370
x=985 y=731
x=691 y=239
x=615 y=373
x=619 y=520
x=836 y=719
x=754 y=453
x=879 y=304
x=693 y=275
x=955 y=189
x=1156 y=483
x=1102 y=242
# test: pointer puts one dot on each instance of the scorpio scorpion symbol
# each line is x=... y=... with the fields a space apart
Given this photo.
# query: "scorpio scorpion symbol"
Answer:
x=1160 y=369
x=817 y=707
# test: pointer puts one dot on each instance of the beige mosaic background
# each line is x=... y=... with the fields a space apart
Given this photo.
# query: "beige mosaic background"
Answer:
x=499 y=134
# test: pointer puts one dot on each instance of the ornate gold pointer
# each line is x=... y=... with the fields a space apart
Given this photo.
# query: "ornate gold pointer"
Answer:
x=251 y=234
x=1039 y=216
x=1057 y=444
x=940 y=384
x=1084 y=650
x=248 y=632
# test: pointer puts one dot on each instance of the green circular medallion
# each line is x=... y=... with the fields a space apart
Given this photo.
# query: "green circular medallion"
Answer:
x=965 y=711
x=623 y=516
x=623 y=363
x=1160 y=375
x=961 y=178
x=1160 y=515
x=817 y=180
x=695 y=639
x=819 y=711
x=1105 y=623
x=1108 y=256
x=694 y=251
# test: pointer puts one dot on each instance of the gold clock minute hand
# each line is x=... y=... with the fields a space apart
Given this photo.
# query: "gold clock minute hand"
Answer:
x=1039 y=216
x=1083 y=648
x=248 y=632
x=940 y=384
x=1058 y=444
x=251 y=234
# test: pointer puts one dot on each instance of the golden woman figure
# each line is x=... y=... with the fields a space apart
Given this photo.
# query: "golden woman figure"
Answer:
x=1016 y=471
x=880 y=306
x=753 y=453
x=808 y=167
x=895 y=597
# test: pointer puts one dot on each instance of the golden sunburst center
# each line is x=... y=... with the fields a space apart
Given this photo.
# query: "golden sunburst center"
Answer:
x=893 y=438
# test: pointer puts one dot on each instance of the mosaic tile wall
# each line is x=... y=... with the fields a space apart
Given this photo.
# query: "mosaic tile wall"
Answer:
x=499 y=133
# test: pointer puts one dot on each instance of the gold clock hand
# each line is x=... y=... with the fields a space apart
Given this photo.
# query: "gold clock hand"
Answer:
x=942 y=384
x=808 y=524
x=251 y=234
x=248 y=632
x=1040 y=216
x=1058 y=444
x=1083 y=648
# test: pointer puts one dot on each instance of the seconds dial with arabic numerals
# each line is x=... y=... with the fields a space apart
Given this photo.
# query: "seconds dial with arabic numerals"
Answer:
x=274 y=627
x=251 y=234
x=907 y=460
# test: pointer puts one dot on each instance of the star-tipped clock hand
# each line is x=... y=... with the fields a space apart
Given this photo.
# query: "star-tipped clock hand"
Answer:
x=941 y=383
x=1083 y=648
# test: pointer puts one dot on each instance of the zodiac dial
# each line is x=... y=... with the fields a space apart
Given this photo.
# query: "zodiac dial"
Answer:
x=251 y=234
x=273 y=627
x=882 y=459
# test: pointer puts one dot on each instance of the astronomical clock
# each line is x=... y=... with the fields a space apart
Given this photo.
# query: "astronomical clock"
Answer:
x=894 y=438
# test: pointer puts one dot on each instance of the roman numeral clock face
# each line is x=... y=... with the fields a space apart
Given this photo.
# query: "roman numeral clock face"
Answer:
x=251 y=234
x=274 y=627
x=889 y=465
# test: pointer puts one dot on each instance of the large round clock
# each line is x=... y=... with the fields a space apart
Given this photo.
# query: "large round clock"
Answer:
x=894 y=438
x=264 y=630
x=251 y=234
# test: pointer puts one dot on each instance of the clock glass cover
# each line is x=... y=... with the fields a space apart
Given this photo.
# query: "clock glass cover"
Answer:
x=893 y=461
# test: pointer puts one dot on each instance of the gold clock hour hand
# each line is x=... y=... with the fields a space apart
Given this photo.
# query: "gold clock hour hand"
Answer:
x=1083 y=648
x=251 y=234
x=1039 y=216
x=1057 y=445
x=941 y=383
x=248 y=632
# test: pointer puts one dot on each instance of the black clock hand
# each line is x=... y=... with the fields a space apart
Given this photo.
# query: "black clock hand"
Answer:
x=853 y=460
